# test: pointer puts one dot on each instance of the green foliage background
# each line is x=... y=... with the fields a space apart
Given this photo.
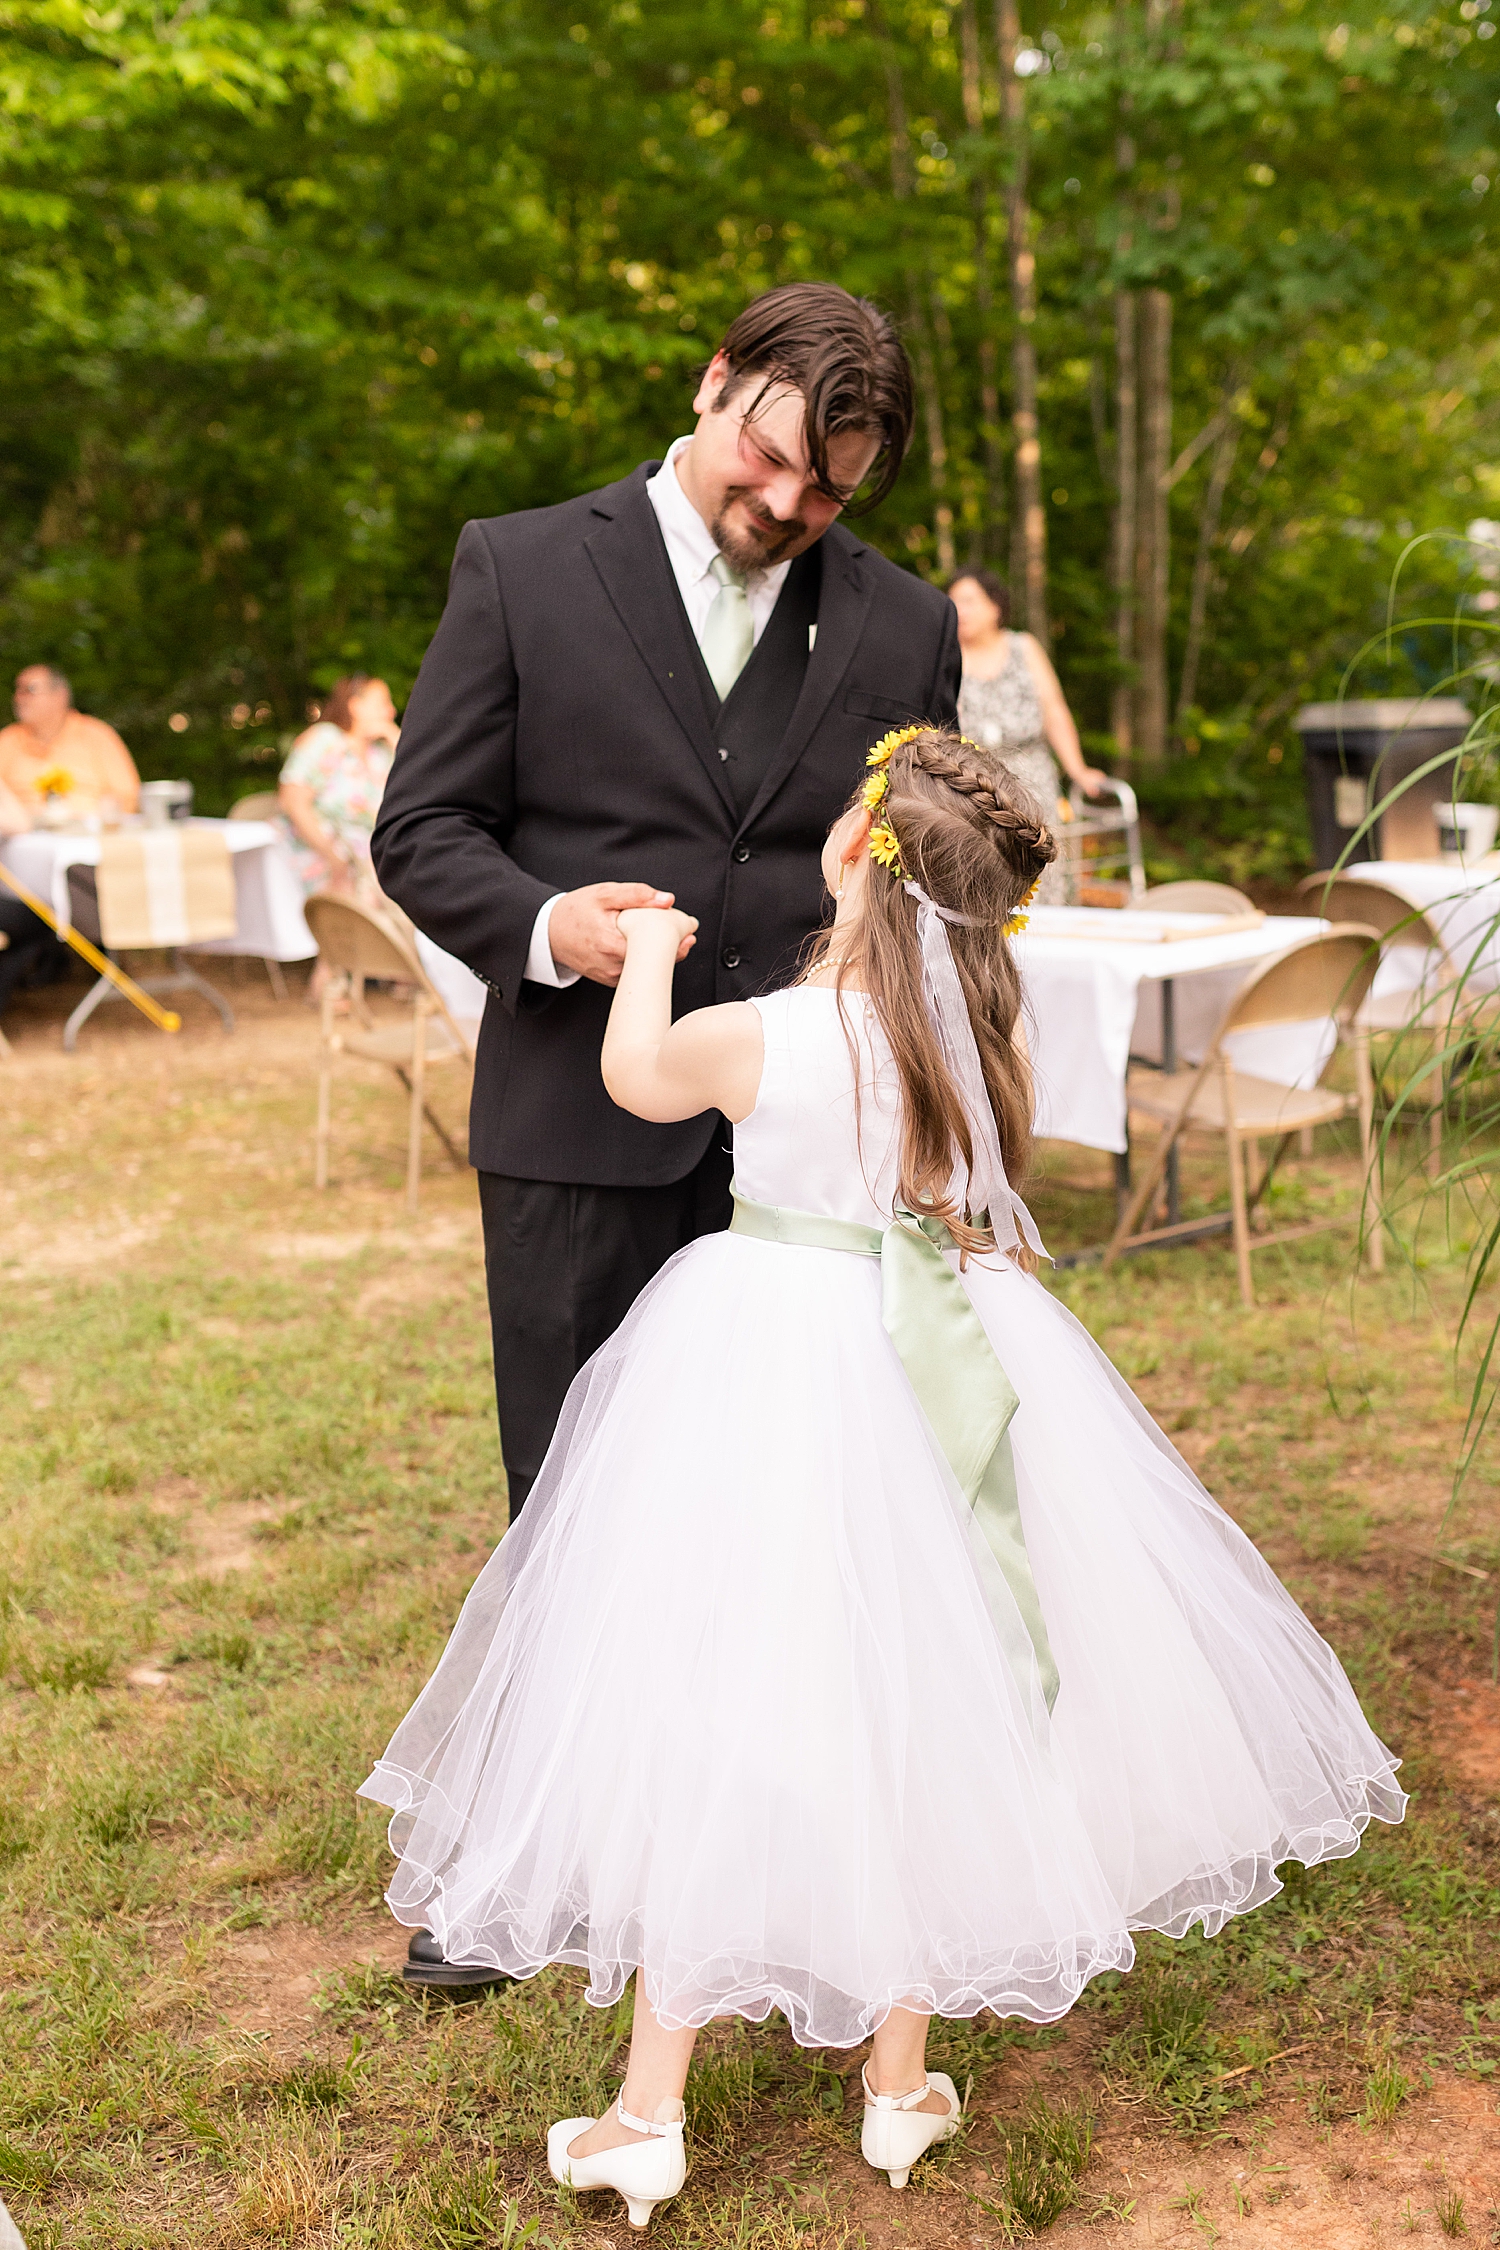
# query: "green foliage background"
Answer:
x=290 y=290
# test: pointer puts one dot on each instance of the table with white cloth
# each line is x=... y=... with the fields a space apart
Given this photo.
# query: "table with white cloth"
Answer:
x=1094 y=996
x=269 y=921
x=1461 y=903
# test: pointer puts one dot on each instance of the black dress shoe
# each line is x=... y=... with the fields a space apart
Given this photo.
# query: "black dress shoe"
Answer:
x=425 y=1966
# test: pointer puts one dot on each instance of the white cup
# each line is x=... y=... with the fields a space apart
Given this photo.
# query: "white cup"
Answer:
x=1466 y=833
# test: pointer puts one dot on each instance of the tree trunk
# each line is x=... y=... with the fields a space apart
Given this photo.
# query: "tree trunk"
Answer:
x=933 y=430
x=1203 y=563
x=1031 y=519
x=984 y=292
x=929 y=395
x=1152 y=547
x=1122 y=696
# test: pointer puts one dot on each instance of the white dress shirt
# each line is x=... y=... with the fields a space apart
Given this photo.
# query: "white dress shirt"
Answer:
x=691 y=552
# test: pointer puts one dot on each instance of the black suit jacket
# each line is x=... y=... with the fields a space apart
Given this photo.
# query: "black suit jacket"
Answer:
x=563 y=731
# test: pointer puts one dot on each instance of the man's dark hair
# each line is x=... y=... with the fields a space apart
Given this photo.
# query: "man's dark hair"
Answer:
x=989 y=582
x=846 y=359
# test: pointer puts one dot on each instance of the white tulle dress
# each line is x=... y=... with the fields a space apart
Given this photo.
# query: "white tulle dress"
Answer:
x=731 y=1703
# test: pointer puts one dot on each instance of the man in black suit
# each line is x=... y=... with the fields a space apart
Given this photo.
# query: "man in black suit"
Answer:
x=663 y=690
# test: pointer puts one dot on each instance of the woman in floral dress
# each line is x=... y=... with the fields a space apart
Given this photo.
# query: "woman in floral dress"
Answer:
x=332 y=784
x=1012 y=703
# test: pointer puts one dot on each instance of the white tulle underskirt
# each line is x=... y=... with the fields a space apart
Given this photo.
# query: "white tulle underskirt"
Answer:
x=729 y=1704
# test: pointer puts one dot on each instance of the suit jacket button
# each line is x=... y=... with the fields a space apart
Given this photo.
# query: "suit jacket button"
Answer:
x=730 y=957
x=741 y=854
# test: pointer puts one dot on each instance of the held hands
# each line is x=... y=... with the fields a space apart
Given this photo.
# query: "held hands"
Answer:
x=586 y=933
x=661 y=925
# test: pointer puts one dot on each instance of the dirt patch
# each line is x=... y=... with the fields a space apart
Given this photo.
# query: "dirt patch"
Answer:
x=223 y=1538
x=435 y=1239
x=1326 y=2190
x=267 y=1981
x=1466 y=1734
x=1289 y=2184
x=74 y=1249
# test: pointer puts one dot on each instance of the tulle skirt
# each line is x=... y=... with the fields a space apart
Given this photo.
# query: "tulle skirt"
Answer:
x=731 y=1704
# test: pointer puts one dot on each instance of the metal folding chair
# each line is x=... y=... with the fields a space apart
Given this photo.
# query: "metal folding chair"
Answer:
x=357 y=947
x=1322 y=979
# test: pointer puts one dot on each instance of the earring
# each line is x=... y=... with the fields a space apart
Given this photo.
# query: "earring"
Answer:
x=838 y=891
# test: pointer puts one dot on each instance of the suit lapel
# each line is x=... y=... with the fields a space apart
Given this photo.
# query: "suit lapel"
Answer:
x=627 y=550
x=843 y=606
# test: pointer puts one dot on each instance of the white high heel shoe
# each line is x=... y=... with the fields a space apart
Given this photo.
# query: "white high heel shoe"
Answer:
x=644 y=2172
x=896 y=2132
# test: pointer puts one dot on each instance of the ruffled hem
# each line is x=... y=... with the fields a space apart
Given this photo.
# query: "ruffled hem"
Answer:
x=1039 y=1984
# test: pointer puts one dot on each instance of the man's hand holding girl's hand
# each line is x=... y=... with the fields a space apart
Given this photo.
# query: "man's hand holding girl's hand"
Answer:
x=585 y=930
x=659 y=924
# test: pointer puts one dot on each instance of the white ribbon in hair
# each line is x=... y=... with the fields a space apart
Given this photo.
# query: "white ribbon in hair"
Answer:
x=988 y=1186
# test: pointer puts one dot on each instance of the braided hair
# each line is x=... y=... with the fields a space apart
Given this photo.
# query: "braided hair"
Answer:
x=977 y=844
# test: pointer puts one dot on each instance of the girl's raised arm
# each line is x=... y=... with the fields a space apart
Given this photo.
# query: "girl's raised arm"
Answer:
x=666 y=1071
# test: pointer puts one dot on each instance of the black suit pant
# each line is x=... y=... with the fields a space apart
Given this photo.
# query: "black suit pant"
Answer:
x=564 y=1264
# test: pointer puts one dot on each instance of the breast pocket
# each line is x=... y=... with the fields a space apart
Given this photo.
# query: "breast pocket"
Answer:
x=864 y=705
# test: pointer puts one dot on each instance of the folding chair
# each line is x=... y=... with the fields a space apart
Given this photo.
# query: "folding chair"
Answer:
x=165 y=888
x=1320 y=981
x=356 y=946
x=1198 y=898
x=1430 y=1028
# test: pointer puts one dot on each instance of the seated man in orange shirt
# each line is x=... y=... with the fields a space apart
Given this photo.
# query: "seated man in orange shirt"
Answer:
x=49 y=734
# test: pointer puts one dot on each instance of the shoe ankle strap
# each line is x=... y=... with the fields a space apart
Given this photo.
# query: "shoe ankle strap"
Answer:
x=893 y=2101
x=643 y=2124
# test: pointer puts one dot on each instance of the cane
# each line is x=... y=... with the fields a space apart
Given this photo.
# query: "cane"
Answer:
x=163 y=1018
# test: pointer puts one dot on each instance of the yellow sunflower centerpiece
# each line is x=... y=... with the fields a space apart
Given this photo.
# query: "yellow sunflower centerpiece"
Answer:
x=55 y=786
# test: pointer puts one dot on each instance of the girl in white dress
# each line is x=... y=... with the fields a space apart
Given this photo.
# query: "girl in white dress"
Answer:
x=864 y=1651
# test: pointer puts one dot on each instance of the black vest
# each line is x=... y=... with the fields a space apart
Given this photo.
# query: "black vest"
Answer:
x=758 y=709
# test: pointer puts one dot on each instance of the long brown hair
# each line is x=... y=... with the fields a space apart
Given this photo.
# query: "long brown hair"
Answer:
x=976 y=844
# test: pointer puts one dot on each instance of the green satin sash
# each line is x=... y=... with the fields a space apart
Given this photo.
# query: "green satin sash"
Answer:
x=961 y=1387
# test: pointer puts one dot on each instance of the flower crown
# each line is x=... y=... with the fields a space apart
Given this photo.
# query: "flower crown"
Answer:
x=885 y=845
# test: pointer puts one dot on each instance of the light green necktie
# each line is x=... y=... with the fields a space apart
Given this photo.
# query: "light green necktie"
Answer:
x=728 y=629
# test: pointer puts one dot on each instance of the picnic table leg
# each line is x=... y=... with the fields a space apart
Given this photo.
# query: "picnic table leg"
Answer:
x=1122 y=1174
x=1169 y=1064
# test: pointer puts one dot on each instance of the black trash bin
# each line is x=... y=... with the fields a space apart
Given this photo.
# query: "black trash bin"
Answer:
x=1354 y=754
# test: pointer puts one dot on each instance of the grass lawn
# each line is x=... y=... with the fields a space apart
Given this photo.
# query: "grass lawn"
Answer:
x=248 y=1468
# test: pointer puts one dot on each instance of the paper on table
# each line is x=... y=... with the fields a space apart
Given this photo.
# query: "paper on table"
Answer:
x=1135 y=926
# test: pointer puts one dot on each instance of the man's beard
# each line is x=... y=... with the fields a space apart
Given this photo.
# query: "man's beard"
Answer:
x=763 y=550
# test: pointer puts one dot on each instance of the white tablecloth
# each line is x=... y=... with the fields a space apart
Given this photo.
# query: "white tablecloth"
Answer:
x=1462 y=904
x=1093 y=1002
x=269 y=920
x=268 y=897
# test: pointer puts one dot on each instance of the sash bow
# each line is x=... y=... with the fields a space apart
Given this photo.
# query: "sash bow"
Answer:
x=960 y=1385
